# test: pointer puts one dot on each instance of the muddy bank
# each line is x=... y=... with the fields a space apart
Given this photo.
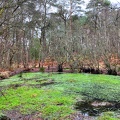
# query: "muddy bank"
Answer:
x=16 y=115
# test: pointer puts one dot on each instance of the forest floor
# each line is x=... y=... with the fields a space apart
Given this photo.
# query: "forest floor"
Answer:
x=53 y=96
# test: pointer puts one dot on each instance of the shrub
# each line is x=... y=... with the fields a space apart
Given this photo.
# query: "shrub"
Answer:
x=42 y=69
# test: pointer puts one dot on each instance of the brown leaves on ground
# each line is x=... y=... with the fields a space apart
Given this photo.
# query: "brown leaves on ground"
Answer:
x=4 y=75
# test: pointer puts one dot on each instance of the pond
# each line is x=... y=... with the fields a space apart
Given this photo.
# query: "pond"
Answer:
x=95 y=108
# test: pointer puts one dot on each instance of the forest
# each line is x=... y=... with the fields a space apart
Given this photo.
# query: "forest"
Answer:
x=66 y=50
x=61 y=33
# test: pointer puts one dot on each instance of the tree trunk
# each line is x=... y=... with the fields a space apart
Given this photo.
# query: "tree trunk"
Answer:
x=60 y=68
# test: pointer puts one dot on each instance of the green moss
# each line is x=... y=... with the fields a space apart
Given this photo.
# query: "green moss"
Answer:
x=108 y=116
x=55 y=101
x=56 y=112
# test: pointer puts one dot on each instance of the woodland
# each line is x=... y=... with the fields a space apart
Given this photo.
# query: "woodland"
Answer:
x=51 y=33
x=59 y=60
